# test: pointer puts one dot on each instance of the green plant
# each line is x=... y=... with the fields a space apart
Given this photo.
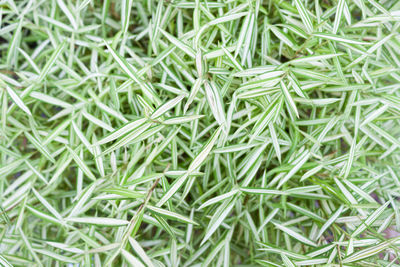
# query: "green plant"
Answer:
x=199 y=133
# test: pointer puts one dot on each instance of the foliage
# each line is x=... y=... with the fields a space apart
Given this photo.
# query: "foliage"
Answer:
x=199 y=133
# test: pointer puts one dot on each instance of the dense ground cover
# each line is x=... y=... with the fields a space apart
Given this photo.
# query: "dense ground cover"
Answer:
x=199 y=133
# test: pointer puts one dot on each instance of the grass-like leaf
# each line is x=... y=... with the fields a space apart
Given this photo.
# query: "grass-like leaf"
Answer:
x=199 y=133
